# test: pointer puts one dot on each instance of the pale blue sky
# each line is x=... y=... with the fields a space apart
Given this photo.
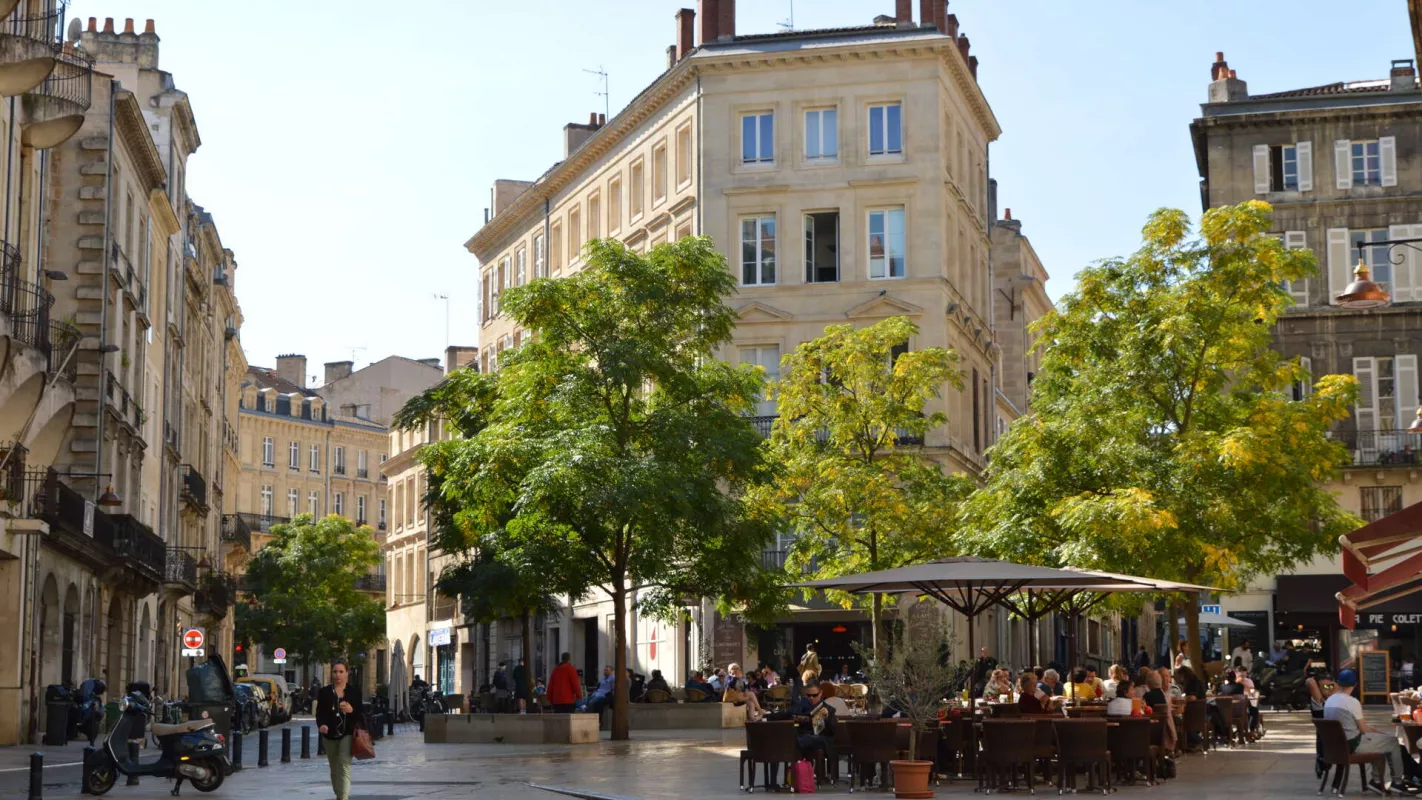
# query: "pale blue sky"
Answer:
x=349 y=145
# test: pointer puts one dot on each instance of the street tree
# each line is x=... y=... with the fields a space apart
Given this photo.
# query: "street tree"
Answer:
x=852 y=479
x=1167 y=437
x=616 y=444
x=300 y=591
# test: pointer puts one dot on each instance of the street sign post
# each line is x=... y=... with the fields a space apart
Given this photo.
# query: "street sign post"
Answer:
x=193 y=641
x=279 y=655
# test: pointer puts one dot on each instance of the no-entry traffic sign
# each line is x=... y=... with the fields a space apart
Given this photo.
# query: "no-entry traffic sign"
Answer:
x=279 y=655
x=193 y=641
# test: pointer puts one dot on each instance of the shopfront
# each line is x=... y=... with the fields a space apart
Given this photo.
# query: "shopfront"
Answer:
x=1306 y=613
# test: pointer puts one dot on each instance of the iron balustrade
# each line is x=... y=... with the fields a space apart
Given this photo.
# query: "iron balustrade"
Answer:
x=180 y=568
x=775 y=559
x=145 y=550
x=236 y=530
x=261 y=523
x=69 y=89
x=36 y=24
x=229 y=437
x=371 y=583
x=194 y=487
x=1381 y=447
x=340 y=469
x=215 y=594
x=64 y=350
x=121 y=402
x=27 y=304
x=763 y=425
x=362 y=473
x=12 y=474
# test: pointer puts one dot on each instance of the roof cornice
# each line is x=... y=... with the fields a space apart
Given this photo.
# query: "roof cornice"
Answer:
x=133 y=129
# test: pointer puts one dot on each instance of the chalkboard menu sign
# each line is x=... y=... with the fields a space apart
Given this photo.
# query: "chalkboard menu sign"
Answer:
x=728 y=635
x=1374 y=672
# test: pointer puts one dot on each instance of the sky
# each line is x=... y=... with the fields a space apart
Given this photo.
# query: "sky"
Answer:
x=348 y=146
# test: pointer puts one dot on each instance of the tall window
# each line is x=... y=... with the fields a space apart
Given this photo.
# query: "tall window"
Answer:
x=1284 y=168
x=758 y=138
x=1379 y=501
x=362 y=466
x=292 y=498
x=293 y=456
x=267 y=501
x=575 y=234
x=520 y=266
x=614 y=205
x=340 y=460
x=636 y=185
x=1387 y=402
x=540 y=263
x=314 y=462
x=268 y=452
x=886 y=243
x=313 y=503
x=757 y=251
x=555 y=248
x=1375 y=257
x=339 y=503
x=360 y=509
x=886 y=136
x=822 y=247
x=659 y=173
x=1367 y=164
x=595 y=217
x=381 y=519
x=766 y=357
x=683 y=155
x=821 y=134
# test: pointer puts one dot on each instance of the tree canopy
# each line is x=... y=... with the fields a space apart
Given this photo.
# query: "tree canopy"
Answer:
x=300 y=591
x=1166 y=437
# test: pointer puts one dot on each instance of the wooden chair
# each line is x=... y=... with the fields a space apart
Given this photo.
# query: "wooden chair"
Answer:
x=776 y=698
x=1334 y=752
x=695 y=696
x=1196 y=721
x=770 y=744
x=1242 y=734
x=1130 y=745
x=1044 y=747
x=1009 y=746
x=657 y=696
x=1004 y=710
x=874 y=745
x=1082 y=744
x=856 y=696
x=1224 y=707
x=951 y=744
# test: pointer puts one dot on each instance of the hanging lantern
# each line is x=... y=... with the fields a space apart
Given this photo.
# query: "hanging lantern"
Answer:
x=1362 y=292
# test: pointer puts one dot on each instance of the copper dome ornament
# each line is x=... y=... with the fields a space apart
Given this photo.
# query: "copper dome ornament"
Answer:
x=1362 y=292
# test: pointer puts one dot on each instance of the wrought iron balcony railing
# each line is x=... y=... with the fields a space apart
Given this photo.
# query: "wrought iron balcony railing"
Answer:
x=374 y=582
x=121 y=403
x=27 y=304
x=1381 y=448
x=54 y=110
x=29 y=39
x=260 y=523
x=194 y=487
x=764 y=423
x=180 y=569
x=214 y=595
x=236 y=531
x=12 y=474
x=63 y=350
x=135 y=541
x=361 y=472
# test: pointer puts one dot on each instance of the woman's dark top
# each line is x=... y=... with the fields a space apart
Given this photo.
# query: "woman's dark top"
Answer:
x=1154 y=697
x=328 y=713
x=1028 y=703
x=1195 y=689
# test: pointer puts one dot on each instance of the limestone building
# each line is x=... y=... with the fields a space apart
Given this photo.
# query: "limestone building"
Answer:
x=1341 y=164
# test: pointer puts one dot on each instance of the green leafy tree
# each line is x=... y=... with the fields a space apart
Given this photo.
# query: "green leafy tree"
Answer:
x=859 y=496
x=300 y=591
x=915 y=675
x=614 y=444
x=1165 y=439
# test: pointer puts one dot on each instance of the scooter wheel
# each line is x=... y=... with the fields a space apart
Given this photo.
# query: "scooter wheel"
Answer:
x=214 y=779
x=100 y=779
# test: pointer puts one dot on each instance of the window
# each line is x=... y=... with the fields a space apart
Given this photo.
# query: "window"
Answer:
x=886 y=243
x=886 y=136
x=1284 y=167
x=360 y=509
x=314 y=462
x=575 y=234
x=313 y=504
x=614 y=205
x=1302 y=389
x=340 y=460
x=540 y=263
x=268 y=453
x=339 y=503
x=636 y=181
x=683 y=155
x=486 y=307
x=520 y=264
x=267 y=501
x=757 y=251
x=822 y=247
x=381 y=518
x=758 y=138
x=659 y=173
x=1387 y=397
x=293 y=456
x=977 y=415
x=500 y=283
x=292 y=498
x=1375 y=257
x=595 y=217
x=767 y=357
x=362 y=465
x=1367 y=164
x=683 y=230
x=821 y=134
x=555 y=248
x=1297 y=289
x=1379 y=501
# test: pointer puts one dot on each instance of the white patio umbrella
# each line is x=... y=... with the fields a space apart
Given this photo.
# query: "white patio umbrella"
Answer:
x=1220 y=621
x=399 y=681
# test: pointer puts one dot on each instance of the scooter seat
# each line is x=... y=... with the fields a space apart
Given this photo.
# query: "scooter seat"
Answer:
x=191 y=726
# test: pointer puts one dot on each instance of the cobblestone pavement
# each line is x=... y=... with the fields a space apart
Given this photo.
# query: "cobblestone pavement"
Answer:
x=655 y=765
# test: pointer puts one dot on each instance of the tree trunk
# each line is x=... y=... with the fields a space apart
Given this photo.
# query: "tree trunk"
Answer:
x=1192 y=630
x=876 y=618
x=619 y=661
x=527 y=652
x=1172 y=631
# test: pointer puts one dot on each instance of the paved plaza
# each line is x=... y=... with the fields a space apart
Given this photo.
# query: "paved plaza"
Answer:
x=660 y=765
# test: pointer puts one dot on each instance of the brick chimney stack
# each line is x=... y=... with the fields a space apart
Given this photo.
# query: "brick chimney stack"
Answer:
x=1225 y=86
x=903 y=12
x=292 y=367
x=685 y=32
x=129 y=47
x=727 y=25
x=1404 y=75
x=710 y=14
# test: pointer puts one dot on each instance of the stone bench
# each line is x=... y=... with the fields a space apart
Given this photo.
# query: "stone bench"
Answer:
x=511 y=729
x=676 y=716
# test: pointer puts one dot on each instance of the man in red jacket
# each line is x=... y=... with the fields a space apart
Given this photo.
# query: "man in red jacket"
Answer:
x=564 y=688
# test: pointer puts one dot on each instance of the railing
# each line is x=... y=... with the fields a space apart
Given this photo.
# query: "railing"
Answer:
x=27 y=304
x=380 y=526
x=362 y=473
x=71 y=83
x=215 y=594
x=1381 y=448
x=371 y=583
x=194 y=487
x=46 y=498
x=122 y=402
x=763 y=425
x=236 y=530
x=229 y=437
x=12 y=472
x=180 y=568
x=260 y=523
x=775 y=559
x=340 y=469
x=37 y=24
x=63 y=350
x=137 y=542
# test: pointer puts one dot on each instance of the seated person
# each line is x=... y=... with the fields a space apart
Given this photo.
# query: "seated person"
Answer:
x=1080 y=689
x=601 y=696
x=1030 y=698
x=659 y=683
x=698 y=683
x=636 y=686
x=1128 y=698
x=817 y=720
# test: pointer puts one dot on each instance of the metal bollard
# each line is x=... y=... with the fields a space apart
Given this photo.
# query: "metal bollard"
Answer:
x=320 y=745
x=236 y=750
x=305 y=741
x=37 y=776
x=389 y=724
x=133 y=756
x=262 y=747
x=286 y=745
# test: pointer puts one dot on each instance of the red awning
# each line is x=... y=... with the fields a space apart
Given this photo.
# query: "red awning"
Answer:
x=1383 y=559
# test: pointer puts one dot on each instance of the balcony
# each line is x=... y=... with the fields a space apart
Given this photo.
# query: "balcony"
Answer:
x=26 y=304
x=371 y=583
x=340 y=469
x=143 y=550
x=362 y=472
x=72 y=530
x=1374 y=448
x=54 y=110
x=194 y=488
x=380 y=526
x=170 y=438
x=121 y=404
x=763 y=425
x=235 y=530
x=180 y=570
x=64 y=350
x=12 y=474
x=29 y=41
x=260 y=523
x=214 y=595
x=229 y=438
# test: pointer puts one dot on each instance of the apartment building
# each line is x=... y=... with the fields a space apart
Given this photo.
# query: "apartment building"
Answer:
x=860 y=153
x=1342 y=164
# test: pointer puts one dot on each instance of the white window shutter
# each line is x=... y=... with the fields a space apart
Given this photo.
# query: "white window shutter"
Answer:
x=1343 y=163
x=1307 y=363
x=1304 y=151
x=1387 y=151
x=1365 y=411
x=1261 y=168
x=1297 y=240
x=1404 y=275
x=1406 y=389
x=1340 y=271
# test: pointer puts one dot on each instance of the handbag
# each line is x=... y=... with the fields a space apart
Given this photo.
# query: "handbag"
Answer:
x=361 y=747
x=802 y=778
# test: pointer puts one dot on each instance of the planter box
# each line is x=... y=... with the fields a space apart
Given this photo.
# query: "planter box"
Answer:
x=511 y=729
x=677 y=716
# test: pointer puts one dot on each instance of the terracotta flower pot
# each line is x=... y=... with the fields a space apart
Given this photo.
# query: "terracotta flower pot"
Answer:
x=911 y=778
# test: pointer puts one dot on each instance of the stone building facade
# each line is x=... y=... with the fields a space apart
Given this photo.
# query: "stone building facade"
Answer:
x=1342 y=165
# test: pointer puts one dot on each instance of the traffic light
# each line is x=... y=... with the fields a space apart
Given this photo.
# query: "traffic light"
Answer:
x=239 y=648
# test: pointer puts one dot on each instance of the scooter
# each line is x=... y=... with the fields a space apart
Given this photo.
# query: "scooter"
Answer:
x=192 y=750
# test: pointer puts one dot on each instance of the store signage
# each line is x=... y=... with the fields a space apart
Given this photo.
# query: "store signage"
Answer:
x=1395 y=619
x=1209 y=609
x=439 y=636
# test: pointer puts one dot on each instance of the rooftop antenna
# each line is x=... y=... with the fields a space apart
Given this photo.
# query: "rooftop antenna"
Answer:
x=353 y=350
x=788 y=24
x=606 y=98
x=445 y=297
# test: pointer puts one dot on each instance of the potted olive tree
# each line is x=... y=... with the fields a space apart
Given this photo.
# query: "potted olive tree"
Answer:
x=914 y=678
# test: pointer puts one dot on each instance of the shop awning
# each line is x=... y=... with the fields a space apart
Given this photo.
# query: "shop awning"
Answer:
x=1383 y=560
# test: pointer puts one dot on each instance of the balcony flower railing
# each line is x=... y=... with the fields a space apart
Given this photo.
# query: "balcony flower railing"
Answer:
x=180 y=569
x=1381 y=448
x=137 y=542
x=27 y=304
x=236 y=531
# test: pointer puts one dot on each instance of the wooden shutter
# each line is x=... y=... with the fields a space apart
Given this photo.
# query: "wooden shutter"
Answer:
x=1405 y=383
x=1261 y=168
x=1305 y=157
x=1343 y=163
x=1306 y=385
x=1404 y=275
x=1297 y=240
x=1365 y=412
x=1340 y=271
x=1387 y=153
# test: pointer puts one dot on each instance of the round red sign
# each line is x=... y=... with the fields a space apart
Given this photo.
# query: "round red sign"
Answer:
x=192 y=639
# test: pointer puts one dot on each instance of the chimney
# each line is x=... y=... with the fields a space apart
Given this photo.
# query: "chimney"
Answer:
x=574 y=134
x=292 y=367
x=93 y=25
x=1226 y=87
x=671 y=56
x=128 y=26
x=430 y=362
x=335 y=370
x=148 y=27
x=457 y=357
x=1404 y=75
x=950 y=26
x=601 y=119
x=973 y=66
x=963 y=45
x=727 y=25
x=903 y=11
x=685 y=32
x=1007 y=213
x=710 y=14
x=108 y=24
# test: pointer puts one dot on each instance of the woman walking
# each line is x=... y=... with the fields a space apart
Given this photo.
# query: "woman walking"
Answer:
x=337 y=714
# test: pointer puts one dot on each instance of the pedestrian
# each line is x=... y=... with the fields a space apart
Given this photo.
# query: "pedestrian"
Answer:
x=502 y=690
x=1142 y=659
x=810 y=665
x=338 y=714
x=565 y=689
x=521 y=688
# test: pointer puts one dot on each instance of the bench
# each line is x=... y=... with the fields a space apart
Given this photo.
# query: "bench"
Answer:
x=511 y=729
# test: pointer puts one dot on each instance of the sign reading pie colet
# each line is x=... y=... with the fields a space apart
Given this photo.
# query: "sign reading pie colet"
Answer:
x=1392 y=619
